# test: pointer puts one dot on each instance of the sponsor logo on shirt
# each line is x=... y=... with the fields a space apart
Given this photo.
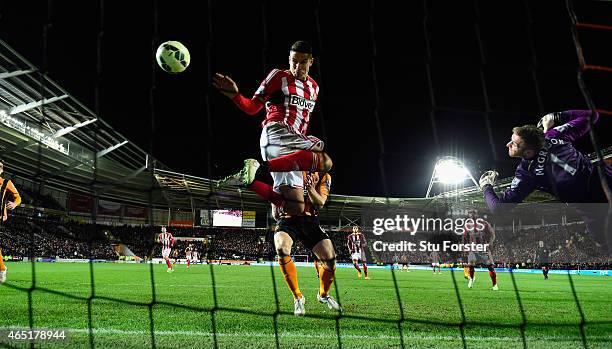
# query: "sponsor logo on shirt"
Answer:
x=302 y=102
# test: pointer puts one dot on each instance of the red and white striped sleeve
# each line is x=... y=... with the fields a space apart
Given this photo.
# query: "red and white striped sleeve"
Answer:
x=271 y=84
x=363 y=239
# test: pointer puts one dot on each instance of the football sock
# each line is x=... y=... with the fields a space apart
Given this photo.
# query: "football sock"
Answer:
x=301 y=160
x=266 y=192
x=326 y=280
x=2 y=266
x=289 y=271
x=188 y=263
x=472 y=273
x=168 y=264
x=493 y=276
x=357 y=267
x=365 y=269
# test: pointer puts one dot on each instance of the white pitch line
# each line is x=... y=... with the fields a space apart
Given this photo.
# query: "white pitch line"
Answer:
x=319 y=336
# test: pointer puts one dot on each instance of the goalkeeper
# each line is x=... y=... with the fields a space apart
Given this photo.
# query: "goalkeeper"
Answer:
x=550 y=163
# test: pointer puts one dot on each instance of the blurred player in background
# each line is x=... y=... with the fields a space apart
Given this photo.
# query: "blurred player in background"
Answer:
x=545 y=272
x=175 y=257
x=550 y=163
x=474 y=234
x=404 y=262
x=167 y=242
x=195 y=257
x=189 y=254
x=10 y=199
x=435 y=261
x=289 y=97
x=356 y=244
x=306 y=228
x=466 y=271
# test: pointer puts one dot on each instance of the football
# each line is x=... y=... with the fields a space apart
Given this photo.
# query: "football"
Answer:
x=173 y=57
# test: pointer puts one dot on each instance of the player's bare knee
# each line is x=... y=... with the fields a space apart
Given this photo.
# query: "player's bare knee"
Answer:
x=329 y=264
x=326 y=255
x=283 y=243
x=283 y=250
x=324 y=250
x=280 y=252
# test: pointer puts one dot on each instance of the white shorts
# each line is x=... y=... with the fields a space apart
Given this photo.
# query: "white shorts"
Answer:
x=166 y=252
x=194 y=257
x=356 y=256
x=435 y=264
x=279 y=139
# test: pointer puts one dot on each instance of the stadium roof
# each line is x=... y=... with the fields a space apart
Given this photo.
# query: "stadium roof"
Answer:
x=48 y=135
x=183 y=190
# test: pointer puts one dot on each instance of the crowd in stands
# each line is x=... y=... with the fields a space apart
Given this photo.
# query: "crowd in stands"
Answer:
x=557 y=246
x=27 y=237
x=552 y=244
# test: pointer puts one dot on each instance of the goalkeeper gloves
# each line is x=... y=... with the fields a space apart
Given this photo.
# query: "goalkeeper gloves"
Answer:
x=487 y=178
x=549 y=120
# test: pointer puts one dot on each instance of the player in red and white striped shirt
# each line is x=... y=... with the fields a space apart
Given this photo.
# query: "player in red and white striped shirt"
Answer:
x=480 y=232
x=190 y=254
x=167 y=242
x=435 y=261
x=357 y=244
x=289 y=97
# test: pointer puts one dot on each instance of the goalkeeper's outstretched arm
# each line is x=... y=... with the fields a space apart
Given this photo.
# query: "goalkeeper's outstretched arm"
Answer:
x=569 y=125
x=522 y=185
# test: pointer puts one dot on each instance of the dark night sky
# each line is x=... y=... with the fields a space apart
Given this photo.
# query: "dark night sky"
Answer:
x=344 y=116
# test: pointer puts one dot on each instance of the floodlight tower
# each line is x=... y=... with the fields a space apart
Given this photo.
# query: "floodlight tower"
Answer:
x=449 y=171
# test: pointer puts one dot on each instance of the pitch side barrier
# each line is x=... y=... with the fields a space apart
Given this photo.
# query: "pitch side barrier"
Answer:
x=591 y=272
x=424 y=267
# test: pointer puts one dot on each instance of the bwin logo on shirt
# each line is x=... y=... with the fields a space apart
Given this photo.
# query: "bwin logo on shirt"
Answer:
x=302 y=102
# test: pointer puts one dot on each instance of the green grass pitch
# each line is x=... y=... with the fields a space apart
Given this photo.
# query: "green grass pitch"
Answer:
x=246 y=305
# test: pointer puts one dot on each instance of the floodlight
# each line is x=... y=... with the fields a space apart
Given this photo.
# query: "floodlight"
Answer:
x=449 y=171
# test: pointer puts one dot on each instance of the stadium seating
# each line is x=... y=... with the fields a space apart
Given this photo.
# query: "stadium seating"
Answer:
x=53 y=238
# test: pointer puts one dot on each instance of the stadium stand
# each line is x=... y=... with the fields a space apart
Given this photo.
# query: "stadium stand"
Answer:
x=566 y=247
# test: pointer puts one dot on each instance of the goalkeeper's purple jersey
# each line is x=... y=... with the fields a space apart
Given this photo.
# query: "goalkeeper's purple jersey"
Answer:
x=558 y=168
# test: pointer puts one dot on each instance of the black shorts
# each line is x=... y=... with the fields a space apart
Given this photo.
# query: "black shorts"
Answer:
x=307 y=229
